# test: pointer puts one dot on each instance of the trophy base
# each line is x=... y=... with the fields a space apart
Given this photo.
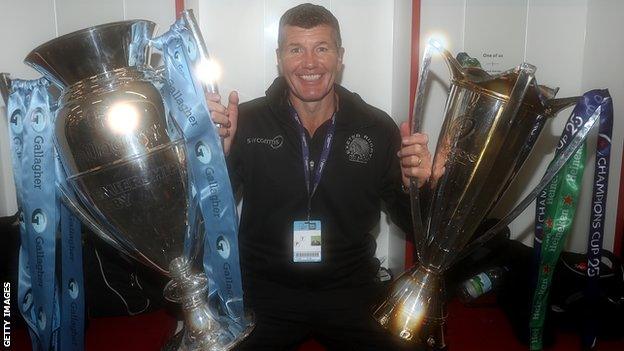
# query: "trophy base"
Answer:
x=202 y=330
x=432 y=335
x=415 y=309
x=176 y=342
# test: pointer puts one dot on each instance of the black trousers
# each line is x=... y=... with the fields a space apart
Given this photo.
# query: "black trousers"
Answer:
x=338 y=319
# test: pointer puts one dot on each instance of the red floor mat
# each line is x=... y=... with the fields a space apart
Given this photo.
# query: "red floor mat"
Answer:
x=478 y=329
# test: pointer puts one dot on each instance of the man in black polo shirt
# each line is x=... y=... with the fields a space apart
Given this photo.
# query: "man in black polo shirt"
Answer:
x=314 y=163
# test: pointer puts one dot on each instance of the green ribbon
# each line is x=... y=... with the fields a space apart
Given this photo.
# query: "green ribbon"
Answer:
x=561 y=202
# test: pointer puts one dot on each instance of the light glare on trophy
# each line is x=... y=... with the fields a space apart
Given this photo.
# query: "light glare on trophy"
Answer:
x=127 y=161
x=490 y=126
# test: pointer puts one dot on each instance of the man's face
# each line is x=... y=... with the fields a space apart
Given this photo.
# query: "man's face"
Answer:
x=309 y=60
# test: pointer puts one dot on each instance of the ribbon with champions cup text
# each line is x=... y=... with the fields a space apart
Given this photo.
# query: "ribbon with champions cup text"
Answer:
x=556 y=205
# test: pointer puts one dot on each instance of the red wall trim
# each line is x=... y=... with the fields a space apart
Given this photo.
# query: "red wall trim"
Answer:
x=619 y=223
x=179 y=7
x=415 y=62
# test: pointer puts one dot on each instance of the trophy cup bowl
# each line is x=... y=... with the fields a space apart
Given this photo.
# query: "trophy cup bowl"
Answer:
x=126 y=162
x=490 y=126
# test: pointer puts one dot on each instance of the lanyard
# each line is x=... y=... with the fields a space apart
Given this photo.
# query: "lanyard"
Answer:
x=308 y=164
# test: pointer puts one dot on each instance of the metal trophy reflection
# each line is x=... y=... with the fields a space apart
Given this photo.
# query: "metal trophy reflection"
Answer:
x=127 y=162
x=491 y=124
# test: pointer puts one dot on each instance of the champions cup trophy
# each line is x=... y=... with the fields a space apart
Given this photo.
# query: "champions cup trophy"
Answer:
x=126 y=162
x=491 y=124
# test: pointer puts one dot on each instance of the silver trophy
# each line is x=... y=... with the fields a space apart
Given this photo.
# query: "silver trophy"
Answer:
x=490 y=126
x=127 y=165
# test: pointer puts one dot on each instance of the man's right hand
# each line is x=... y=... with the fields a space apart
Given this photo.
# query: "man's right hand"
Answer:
x=225 y=117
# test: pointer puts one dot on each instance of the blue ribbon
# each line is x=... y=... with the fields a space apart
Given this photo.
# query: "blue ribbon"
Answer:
x=185 y=101
x=16 y=109
x=35 y=171
x=39 y=208
x=72 y=277
x=72 y=285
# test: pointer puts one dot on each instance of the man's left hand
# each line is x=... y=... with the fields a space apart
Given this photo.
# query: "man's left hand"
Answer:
x=415 y=156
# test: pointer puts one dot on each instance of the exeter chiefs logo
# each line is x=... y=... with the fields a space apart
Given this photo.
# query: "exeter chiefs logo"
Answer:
x=359 y=148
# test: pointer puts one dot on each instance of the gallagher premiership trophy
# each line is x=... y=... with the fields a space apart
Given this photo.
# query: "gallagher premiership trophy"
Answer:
x=491 y=124
x=143 y=165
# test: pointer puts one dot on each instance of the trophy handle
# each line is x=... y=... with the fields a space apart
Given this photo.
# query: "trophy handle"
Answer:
x=159 y=71
x=455 y=68
x=5 y=86
x=415 y=127
x=191 y=23
x=420 y=234
x=209 y=86
x=559 y=161
x=554 y=106
x=88 y=220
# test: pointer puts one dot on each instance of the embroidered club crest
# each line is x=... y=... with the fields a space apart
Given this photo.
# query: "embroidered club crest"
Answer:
x=359 y=148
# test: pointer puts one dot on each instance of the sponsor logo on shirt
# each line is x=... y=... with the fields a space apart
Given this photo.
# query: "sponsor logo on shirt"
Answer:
x=275 y=143
x=359 y=148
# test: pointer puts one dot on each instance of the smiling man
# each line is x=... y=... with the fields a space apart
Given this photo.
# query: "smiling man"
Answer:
x=314 y=163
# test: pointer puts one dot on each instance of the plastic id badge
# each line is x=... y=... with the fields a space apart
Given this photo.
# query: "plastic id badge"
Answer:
x=307 y=241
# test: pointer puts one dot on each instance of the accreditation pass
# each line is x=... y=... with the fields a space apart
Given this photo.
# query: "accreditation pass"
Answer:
x=307 y=241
